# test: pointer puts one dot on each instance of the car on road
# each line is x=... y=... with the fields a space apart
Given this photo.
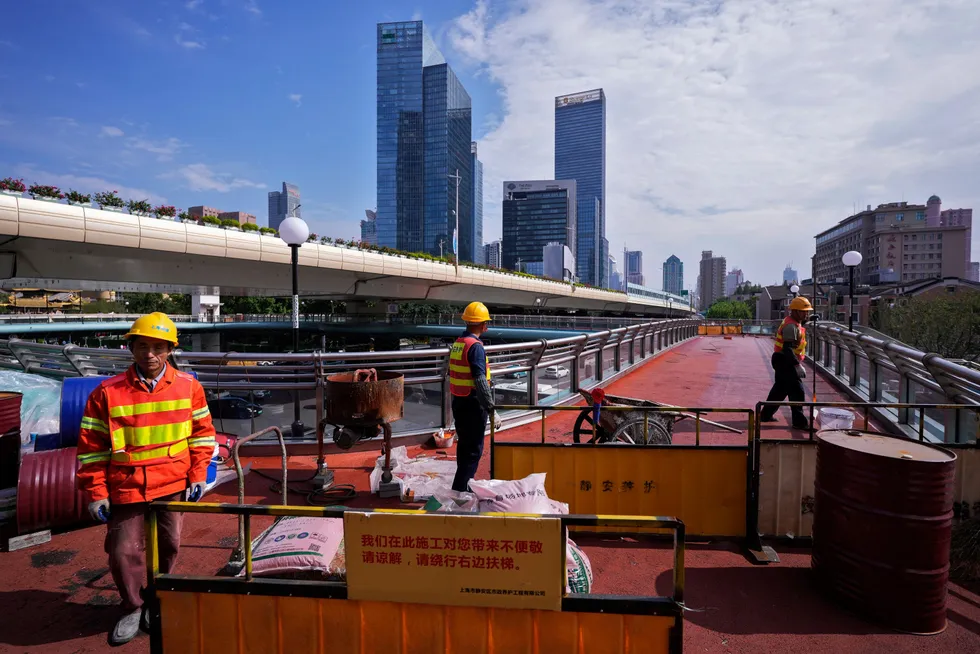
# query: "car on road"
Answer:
x=233 y=408
x=556 y=372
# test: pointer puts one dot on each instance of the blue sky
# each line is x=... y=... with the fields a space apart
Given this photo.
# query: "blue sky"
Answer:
x=211 y=102
x=744 y=127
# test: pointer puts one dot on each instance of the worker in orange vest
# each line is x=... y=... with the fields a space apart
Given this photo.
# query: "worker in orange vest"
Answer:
x=146 y=435
x=787 y=363
x=469 y=383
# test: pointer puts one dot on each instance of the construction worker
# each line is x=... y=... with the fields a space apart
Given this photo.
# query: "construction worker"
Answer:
x=787 y=362
x=469 y=383
x=146 y=435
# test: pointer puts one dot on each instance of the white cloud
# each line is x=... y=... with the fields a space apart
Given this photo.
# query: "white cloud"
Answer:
x=49 y=78
x=740 y=126
x=184 y=27
x=190 y=45
x=141 y=31
x=193 y=4
x=165 y=150
x=110 y=131
x=295 y=97
x=200 y=177
x=84 y=183
x=252 y=7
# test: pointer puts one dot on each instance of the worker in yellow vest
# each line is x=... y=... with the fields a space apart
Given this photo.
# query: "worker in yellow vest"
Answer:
x=787 y=362
x=469 y=383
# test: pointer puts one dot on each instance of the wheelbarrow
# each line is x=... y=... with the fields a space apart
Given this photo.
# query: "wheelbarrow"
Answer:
x=632 y=427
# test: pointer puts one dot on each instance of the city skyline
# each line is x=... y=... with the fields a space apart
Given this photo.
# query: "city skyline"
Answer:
x=62 y=127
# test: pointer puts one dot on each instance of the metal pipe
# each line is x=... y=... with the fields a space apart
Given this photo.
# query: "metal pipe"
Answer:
x=239 y=555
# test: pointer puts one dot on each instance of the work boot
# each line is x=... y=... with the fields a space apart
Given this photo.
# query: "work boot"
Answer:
x=767 y=419
x=802 y=424
x=126 y=629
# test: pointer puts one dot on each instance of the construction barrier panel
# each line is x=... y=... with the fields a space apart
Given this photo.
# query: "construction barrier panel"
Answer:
x=705 y=486
x=786 y=473
x=407 y=604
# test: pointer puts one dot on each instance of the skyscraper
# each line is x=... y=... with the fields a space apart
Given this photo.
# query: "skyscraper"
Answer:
x=491 y=252
x=633 y=267
x=712 y=279
x=790 y=276
x=733 y=280
x=424 y=135
x=282 y=203
x=477 y=211
x=673 y=275
x=580 y=154
x=369 y=227
x=536 y=213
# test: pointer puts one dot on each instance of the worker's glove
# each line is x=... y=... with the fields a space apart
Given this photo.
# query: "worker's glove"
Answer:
x=99 y=510
x=195 y=492
x=497 y=422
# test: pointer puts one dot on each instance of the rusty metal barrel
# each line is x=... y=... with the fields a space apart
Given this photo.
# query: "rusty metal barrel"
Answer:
x=47 y=494
x=350 y=403
x=882 y=525
x=10 y=403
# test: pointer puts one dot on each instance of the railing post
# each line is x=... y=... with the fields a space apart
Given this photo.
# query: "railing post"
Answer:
x=576 y=378
x=874 y=380
x=904 y=390
x=532 y=374
x=855 y=370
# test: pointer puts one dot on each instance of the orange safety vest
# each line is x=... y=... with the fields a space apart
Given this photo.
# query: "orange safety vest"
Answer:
x=135 y=446
x=460 y=375
x=799 y=350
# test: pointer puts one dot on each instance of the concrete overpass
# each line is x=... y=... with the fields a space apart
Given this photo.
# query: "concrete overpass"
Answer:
x=50 y=244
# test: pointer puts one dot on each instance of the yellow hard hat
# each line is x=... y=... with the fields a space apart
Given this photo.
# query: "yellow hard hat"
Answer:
x=154 y=325
x=476 y=312
x=800 y=304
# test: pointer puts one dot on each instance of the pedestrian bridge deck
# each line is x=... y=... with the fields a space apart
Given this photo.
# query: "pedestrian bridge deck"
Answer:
x=58 y=597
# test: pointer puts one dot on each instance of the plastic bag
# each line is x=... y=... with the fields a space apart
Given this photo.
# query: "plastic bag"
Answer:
x=40 y=409
x=446 y=500
x=418 y=478
x=514 y=496
x=301 y=548
x=579 y=569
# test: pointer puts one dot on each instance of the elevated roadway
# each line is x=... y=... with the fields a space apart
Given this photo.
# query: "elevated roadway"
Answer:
x=50 y=244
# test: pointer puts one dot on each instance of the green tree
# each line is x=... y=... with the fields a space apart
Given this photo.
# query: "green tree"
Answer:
x=174 y=303
x=256 y=305
x=730 y=310
x=947 y=325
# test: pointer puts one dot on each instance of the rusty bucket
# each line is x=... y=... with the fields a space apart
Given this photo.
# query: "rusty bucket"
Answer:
x=353 y=403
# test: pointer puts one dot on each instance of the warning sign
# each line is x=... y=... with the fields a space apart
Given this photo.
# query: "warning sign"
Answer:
x=461 y=560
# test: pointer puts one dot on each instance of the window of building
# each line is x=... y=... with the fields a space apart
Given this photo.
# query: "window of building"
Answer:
x=920 y=215
x=899 y=217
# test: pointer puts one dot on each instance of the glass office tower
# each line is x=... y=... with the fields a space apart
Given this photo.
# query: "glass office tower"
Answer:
x=479 y=254
x=580 y=154
x=424 y=132
x=535 y=214
x=283 y=203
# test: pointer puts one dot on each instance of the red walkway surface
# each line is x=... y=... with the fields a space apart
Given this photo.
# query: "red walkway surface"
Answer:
x=59 y=597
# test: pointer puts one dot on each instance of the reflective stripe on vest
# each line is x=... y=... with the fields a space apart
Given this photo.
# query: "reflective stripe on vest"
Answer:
x=460 y=375
x=167 y=434
x=151 y=455
x=799 y=350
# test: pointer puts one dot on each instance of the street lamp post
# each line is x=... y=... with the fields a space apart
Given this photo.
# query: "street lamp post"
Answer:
x=294 y=232
x=794 y=289
x=456 y=215
x=852 y=260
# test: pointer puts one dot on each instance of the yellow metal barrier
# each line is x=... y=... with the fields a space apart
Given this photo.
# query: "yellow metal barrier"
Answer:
x=209 y=615
x=705 y=486
x=786 y=472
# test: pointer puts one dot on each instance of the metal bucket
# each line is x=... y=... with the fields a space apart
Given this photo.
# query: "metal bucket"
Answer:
x=882 y=525
x=351 y=403
x=47 y=495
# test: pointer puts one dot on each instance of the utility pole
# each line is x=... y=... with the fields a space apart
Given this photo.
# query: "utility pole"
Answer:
x=441 y=241
x=456 y=214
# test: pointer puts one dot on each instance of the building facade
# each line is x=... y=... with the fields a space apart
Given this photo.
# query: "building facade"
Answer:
x=673 y=275
x=580 y=154
x=974 y=275
x=633 y=267
x=239 y=217
x=536 y=213
x=558 y=262
x=424 y=129
x=477 y=208
x=733 y=280
x=283 y=203
x=491 y=254
x=712 y=280
x=790 y=276
x=899 y=242
x=202 y=211
x=369 y=227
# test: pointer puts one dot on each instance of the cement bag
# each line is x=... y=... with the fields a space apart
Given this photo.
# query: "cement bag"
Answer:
x=446 y=500
x=301 y=548
x=513 y=496
x=579 y=569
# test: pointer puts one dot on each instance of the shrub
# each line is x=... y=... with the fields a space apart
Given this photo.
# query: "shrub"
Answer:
x=109 y=199
x=74 y=197
x=228 y=222
x=326 y=240
x=339 y=241
x=11 y=184
x=268 y=231
x=211 y=220
x=312 y=238
x=183 y=215
x=41 y=191
x=165 y=211
x=250 y=227
x=139 y=206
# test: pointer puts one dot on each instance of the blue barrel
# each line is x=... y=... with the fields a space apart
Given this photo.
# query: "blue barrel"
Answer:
x=74 y=395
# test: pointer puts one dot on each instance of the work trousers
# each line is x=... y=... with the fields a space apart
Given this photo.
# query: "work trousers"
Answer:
x=471 y=427
x=125 y=546
x=787 y=384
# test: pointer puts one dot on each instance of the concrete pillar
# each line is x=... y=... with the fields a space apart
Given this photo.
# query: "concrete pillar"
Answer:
x=208 y=342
